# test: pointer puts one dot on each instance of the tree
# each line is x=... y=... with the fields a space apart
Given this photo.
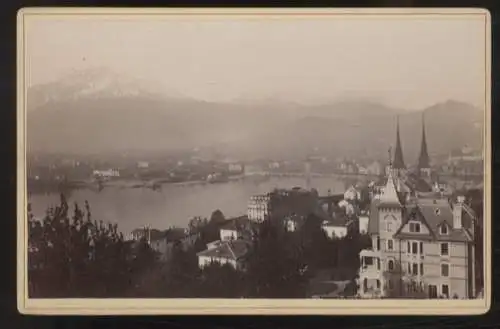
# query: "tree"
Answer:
x=217 y=217
x=180 y=274
x=74 y=256
x=315 y=243
x=274 y=267
x=220 y=281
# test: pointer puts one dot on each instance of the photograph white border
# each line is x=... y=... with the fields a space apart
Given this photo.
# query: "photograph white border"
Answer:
x=28 y=305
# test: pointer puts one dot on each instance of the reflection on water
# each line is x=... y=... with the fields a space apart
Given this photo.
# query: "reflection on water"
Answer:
x=174 y=205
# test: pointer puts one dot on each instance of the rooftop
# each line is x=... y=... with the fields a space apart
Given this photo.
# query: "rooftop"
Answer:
x=233 y=250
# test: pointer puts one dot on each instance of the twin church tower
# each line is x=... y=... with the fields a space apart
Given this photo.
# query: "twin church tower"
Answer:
x=423 y=164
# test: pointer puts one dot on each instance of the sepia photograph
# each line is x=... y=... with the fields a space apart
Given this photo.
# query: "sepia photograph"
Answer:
x=253 y=161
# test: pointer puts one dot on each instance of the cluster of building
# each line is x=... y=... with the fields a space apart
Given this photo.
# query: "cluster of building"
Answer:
x=423 y=241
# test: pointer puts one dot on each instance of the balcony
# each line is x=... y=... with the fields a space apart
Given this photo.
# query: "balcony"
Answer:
x=370 y=263
x=369 y=253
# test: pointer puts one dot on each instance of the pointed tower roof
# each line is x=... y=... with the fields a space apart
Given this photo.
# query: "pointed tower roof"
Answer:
x=398 y=162
x=390 y=193
x=423 y=159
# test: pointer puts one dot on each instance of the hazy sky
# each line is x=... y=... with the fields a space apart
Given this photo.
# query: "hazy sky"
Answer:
x=408 y=62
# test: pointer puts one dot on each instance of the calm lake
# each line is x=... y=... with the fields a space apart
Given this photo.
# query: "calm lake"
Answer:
x=174 y=205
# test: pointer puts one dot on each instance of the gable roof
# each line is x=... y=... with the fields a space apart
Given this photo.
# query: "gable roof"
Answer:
x=426 y=208
x=435 y=212
x=417 y=183
x=233 y=250
x=413 y=213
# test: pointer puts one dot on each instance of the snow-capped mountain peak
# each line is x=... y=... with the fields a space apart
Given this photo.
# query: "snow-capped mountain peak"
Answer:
x=91 y=83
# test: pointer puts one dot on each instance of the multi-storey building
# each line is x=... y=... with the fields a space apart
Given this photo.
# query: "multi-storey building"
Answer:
x=281 y=203
x=258 y=207
x=421 y=247
x=422 y=244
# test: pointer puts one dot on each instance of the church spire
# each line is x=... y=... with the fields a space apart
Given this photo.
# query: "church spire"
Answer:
x=398 y=162
x=423 y=159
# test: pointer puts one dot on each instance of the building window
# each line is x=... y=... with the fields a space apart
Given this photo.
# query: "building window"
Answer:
x=445 y=270
x=378 y=284
x=390 y=244
x=378 y=263
x=378 y=243
x=444 y=249
x=414 y=248
x=444 y=229
x=415 y=269
x=421 y=248
x=413 y=286
x=390 y=284
x=409 y=268
x=421 y=268
x=365 y=285
x=433 y=291
x=390 y=265
x=415 y=227
x=368 y=261
x=389 y=227
x=445 y=290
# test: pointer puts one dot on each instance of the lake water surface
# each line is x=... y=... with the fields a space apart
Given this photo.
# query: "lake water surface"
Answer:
x=175 y=204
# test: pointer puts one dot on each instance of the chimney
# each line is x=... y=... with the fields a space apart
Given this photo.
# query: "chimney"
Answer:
x=457 y=212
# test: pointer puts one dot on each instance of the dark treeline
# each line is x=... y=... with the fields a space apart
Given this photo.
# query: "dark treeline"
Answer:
x=72 y=255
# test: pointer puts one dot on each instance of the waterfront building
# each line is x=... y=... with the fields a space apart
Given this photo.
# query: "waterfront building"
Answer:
x=258 y=207
x=106 y=173
x=281 y=203
x=143 y=165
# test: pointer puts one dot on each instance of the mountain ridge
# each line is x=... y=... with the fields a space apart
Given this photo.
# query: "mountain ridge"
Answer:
x=63 y=119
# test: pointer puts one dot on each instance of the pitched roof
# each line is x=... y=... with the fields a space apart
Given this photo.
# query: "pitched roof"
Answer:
x=389 y=194
x=434 y=213
x=417 y=183
x=398 y=162
x=437 y=212
x=233 y=250
x=423 y=159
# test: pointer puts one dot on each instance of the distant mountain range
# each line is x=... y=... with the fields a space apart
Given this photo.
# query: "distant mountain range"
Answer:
x=99 y=111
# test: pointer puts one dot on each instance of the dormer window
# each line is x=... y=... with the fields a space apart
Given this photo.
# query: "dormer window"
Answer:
x=444 y=229
x=415 y=227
